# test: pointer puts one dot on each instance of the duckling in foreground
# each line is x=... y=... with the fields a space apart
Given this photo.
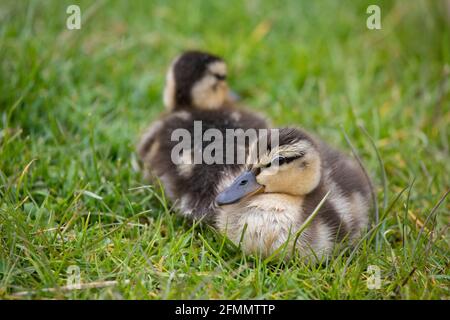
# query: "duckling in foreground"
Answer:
x=280 y=189
x=196 y=92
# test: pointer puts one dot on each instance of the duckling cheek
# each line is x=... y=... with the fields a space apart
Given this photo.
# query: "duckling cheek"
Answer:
x=262 y=179
x=223 y=87
x=271 y=178
x=202 y=90
x=279 y=180
x=208 y=93
x=268 y=180
x=220 y=92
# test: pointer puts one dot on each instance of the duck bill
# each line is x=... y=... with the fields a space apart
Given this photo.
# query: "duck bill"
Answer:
x=243 y=186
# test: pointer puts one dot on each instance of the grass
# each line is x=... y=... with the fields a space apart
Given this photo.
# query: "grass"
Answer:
x=73 y=103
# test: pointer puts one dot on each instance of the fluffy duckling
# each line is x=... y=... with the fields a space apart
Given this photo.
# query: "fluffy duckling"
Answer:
x=195 y=91
x=280 y=189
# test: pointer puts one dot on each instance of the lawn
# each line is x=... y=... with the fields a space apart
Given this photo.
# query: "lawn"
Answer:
x=74 y=206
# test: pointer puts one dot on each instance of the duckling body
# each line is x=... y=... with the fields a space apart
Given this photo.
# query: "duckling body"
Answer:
x=193 y=187
x=194 y=96
x=265 y=221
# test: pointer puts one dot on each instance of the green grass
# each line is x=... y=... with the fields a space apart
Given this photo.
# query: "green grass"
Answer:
x=73 y=103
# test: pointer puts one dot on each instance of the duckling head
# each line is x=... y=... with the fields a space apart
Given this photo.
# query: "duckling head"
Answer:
x=196 y=79
x=290 y=166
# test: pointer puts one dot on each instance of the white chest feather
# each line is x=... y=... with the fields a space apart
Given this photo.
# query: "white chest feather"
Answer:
x=263 y=223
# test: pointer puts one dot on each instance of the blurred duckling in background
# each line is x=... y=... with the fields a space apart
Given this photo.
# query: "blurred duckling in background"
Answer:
x=196 y=90
x=280 y=189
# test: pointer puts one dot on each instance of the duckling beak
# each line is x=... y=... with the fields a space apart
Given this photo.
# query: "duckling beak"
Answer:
x=242 y=186
x=233 y=96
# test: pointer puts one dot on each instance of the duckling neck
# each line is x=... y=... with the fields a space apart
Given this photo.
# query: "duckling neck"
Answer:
x=275 y=202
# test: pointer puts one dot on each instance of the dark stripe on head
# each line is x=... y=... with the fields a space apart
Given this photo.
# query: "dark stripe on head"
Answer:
x=288 y=136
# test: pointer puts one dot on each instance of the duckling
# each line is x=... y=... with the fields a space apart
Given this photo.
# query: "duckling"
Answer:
x=196 y=91
x=281 y=187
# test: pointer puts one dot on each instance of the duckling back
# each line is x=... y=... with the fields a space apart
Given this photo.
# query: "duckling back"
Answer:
x=351 y=188
x=345 y=213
